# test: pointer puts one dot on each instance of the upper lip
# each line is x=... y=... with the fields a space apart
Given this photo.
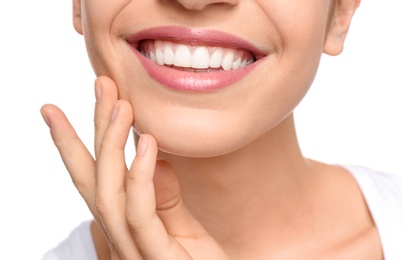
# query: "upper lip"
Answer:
x=193 y=36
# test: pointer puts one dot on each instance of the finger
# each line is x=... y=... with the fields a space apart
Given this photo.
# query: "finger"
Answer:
x=110 y=189
x=106 y=95
x=149 y=232
x=75 y=155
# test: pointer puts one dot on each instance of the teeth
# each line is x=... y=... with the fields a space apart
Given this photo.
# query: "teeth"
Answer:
x=152 y=57
x=183 y=56
x=216 y=58
x=159 y=56
x=243 y=64
x=236 y=64
x=169 y=55
x=227 y=61
x=197 y=57
x=200 y=58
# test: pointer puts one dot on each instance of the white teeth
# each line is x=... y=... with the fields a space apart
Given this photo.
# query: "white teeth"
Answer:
x=236 y=64
x=160 y=56
x=183 y=56
x=227 y=61
x=216 y=58
x=200 y=58
x=169 y=55
x=152 y=57
x=197 y=57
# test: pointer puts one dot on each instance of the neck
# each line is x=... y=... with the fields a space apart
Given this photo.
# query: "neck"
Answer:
x=229 y=194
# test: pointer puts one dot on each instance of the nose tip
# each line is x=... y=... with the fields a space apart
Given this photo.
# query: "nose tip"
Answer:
x=201 y=4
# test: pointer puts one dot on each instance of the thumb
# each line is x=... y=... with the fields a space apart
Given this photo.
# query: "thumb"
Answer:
x=173 y=213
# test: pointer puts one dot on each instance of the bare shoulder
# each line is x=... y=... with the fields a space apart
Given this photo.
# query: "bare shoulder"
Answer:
x=355 y=235
x=366 y=245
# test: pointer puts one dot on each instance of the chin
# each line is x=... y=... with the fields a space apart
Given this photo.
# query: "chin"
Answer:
x=208 y=139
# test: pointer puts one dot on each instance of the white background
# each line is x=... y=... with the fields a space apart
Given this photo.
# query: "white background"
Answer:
x=353 y=113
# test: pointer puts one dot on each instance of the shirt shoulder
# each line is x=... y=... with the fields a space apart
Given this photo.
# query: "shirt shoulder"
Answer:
x=383 y=193
x=78 y=245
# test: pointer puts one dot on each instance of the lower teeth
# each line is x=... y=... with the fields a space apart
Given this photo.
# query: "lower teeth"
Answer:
x=192 y=69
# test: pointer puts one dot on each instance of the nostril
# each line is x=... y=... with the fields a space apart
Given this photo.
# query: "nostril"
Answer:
x=198 y=5
x=193 y=5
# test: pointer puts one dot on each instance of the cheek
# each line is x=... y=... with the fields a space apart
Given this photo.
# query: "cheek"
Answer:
x=98 y=21
x=101 y=13
x=300 y=25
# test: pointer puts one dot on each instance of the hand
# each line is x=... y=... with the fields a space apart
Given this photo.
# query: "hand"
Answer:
x=140 y=209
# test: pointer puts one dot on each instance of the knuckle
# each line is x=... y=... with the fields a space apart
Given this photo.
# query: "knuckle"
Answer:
x=101 y=205
x=81 y=187
x=137 y=221
x=105 y=145
x=98 y=124
x=132 y=178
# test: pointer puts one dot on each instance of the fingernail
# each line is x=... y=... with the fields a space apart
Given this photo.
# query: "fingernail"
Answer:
x=142 y=145
x=98 y=91
x=115 y=111
x=45 y=118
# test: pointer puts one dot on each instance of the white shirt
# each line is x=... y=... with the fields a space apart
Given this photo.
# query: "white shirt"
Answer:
x=383 y=193
x=78 y=246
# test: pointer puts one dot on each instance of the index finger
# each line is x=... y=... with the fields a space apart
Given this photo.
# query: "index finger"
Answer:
x=78 y=160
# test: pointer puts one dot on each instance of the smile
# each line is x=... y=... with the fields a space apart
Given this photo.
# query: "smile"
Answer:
x=185 y=59
x=197 y=58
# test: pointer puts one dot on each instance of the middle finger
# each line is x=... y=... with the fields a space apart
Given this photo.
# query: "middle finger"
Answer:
x=106 y=95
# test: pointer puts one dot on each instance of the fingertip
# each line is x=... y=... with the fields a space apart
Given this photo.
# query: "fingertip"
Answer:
x=107 y=85
x=57 y=121
x=46 y=107
x=145 y=143
x=142 y=146
x=151 y=140
x=47 y=111
x=104 y=80
x=150 y=137
x=98 y=90
x=124 y=104
x=114 y=111
x=44 y=116
x=50 y=109
x=124 y=108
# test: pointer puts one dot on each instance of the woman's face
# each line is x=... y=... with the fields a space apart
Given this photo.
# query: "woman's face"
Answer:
x=270 y=50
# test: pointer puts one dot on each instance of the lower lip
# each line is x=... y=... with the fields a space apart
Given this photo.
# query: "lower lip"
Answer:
x=192 y=81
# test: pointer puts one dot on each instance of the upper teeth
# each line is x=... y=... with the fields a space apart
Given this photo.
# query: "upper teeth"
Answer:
x=197 y=57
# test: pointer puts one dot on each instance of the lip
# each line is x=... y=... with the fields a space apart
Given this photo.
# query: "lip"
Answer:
x=182 y=80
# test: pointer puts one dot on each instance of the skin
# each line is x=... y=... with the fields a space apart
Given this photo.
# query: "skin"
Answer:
x=213 y=193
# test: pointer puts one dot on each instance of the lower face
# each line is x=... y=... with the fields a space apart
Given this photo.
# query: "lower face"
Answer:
x=207 y=82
